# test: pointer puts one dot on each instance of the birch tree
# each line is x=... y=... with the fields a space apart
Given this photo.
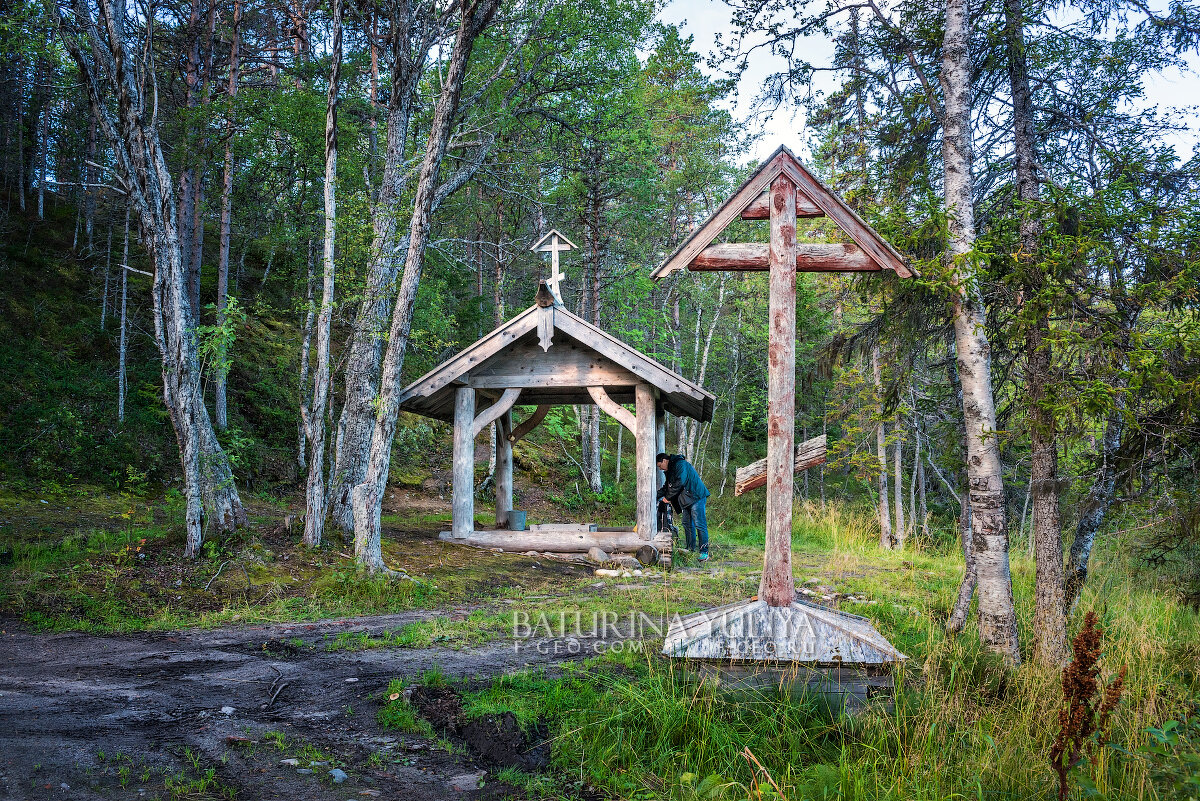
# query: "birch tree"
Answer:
x=102 y=47
x=368 y=495
x=314 y=417
x=985 y=490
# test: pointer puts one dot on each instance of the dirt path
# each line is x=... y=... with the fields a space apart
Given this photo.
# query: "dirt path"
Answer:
x=75 y=709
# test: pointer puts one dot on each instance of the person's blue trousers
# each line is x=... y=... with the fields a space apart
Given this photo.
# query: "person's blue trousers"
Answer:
x=695 y=526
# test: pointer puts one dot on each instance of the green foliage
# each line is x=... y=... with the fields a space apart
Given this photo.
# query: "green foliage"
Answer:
x=214 y=343
x=1172 y=753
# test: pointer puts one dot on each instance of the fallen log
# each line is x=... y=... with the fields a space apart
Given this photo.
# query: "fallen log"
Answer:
x=562 y=540
x=809 y=453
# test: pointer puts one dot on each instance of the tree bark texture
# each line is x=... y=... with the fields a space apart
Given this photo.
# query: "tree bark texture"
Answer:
x=121 y=384
x=314 y=520
x=886 y=540
x=997 y=615
x=413 y=34
x=1049 y=614
x=368 y=495
x=108 y=68
x=310 y=314
x=900 y=533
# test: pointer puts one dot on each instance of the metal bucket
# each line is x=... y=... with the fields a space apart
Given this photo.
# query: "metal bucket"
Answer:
x=516 y=520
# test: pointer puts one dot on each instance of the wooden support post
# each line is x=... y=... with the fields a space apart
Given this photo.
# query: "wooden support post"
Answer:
x=660 y=442
x=777 y=587
x=646 y=417
x=504 y=469
x=463 y=472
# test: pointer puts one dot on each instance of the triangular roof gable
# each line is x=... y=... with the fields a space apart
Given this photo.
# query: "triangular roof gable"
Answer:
x=552 y=232
x=577 y=329
x=783 y=161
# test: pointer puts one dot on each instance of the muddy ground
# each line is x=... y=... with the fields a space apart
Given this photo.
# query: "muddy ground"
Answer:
x=75 y=709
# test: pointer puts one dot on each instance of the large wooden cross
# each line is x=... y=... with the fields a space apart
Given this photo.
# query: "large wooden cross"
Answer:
x=780 y=190
x=553 y=243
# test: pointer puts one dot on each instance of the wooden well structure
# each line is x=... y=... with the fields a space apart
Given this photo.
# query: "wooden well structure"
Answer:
x=775 y=626
x=544 y=357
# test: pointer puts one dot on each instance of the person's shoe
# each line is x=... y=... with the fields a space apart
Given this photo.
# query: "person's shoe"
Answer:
x=703 y=557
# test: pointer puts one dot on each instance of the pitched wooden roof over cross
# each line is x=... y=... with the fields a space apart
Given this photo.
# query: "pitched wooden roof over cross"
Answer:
x=869 y=253
x=781 y=190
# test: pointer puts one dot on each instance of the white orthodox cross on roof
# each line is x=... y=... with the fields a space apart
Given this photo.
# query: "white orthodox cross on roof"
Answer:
x=554 y=243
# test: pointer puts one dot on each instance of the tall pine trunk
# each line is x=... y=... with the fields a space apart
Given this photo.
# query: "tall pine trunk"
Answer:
x=989 y=540
x=1049 y=611
x=314 y=519
x=220 y=379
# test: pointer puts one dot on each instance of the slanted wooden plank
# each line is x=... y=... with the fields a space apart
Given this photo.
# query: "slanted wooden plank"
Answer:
x=782 y=161
x=728 y=211
x=476 y=354
x=809 y=453
x=613 y=409
x=493 y=412
x=760 y=208
x=463 y=466
x=777 y=586
x=845 y=218
x=693 y=398
x=810 y=258
x=533 y=421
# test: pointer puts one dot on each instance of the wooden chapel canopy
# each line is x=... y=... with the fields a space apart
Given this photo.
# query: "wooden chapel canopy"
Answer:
x=547 y=356
x=553 y=357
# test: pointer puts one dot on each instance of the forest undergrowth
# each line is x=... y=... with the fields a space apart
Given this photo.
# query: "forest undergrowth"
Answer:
x=638 y=726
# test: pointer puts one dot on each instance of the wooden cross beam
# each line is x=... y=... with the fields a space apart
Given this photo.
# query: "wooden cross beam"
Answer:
x=810 y=258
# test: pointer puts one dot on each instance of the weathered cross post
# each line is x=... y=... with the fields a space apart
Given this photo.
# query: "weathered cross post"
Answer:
x=777 y=587
x=776 y=626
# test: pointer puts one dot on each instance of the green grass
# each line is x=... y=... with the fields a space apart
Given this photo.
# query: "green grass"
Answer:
x=963 y=725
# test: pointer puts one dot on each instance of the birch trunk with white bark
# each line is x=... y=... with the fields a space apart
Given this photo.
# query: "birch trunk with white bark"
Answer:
x=209 y=488
x=368 y=495
x=989 y=531
x=314 y=519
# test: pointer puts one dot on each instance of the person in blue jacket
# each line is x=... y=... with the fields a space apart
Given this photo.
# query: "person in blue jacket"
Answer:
x=685 y=491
